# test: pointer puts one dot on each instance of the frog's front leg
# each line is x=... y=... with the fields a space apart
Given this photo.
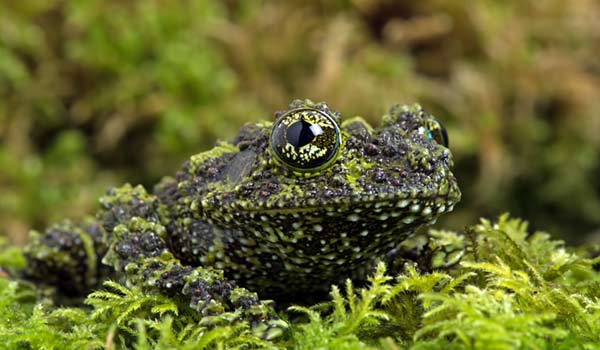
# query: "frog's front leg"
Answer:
x=67 y=256
x=138 y=250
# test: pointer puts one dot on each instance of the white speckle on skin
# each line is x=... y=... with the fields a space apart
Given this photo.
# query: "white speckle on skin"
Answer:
x=402 y=204
x=353 y=217
x=427 y=211
x=415 y=208
x=408 y=219
x=383 y=217
x=364 y=233
x=318 y=228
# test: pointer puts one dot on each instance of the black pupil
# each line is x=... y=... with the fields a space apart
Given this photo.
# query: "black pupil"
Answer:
x=300 y=133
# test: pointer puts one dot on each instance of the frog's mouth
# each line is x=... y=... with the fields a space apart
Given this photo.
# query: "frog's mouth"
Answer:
x=394 y=207
x=437 y=192
x=406 y=206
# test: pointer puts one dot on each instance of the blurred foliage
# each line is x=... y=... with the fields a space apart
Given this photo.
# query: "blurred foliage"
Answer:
x=94 y=93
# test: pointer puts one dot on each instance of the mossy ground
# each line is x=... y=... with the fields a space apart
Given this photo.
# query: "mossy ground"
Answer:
x=493 y=286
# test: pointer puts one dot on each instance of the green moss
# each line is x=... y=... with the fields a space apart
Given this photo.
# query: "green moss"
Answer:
x=198 y=159
x=508 y=289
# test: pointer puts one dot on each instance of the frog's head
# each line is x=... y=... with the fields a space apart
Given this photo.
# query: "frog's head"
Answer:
x=321 y=187
x=308 y=160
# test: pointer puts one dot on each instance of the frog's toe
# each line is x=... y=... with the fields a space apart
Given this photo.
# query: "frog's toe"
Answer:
x=233 y=304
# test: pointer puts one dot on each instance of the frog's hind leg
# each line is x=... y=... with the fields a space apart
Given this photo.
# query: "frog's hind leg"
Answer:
x=67 y=256
x=138 y=250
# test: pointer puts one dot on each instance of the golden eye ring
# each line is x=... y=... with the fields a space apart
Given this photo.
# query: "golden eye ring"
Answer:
x=306 y=139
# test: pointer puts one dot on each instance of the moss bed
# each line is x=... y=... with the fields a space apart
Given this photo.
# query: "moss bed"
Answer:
x=493 y=286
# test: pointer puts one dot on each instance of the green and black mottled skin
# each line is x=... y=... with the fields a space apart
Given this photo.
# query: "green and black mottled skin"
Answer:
x=237 y=215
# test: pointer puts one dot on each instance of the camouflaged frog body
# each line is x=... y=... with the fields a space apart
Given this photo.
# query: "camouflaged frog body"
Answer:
x=287 y=209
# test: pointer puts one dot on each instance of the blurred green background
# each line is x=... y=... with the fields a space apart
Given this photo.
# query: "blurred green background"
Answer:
x=96 y=93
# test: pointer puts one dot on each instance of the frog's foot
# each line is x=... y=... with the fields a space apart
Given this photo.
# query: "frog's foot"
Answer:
x=139 y=252
x=217 y=300
x=66 y=256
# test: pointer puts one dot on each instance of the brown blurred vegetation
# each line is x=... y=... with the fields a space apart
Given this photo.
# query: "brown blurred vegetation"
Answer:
x=96 y=93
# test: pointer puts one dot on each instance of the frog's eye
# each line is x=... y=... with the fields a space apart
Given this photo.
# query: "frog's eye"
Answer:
x=437 y=131
x=306 y=139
